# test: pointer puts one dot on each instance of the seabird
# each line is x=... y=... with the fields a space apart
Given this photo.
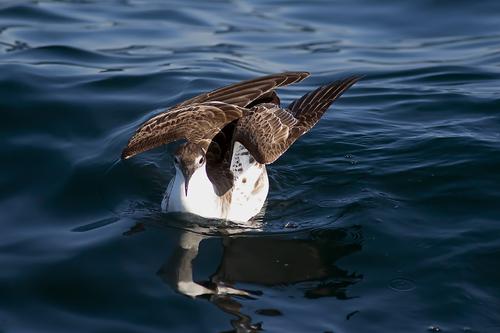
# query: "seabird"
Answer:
x=231 y=134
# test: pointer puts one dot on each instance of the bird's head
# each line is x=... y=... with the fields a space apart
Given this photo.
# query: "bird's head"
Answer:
x=188 y=158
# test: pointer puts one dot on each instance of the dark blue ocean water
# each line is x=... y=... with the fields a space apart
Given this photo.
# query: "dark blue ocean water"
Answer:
x=384 y=218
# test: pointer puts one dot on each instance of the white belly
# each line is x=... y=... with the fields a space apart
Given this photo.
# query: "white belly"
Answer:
x=249 y=194
x=246 y=199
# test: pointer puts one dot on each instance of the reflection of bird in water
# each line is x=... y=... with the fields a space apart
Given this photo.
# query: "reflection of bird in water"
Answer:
x=266 y=262
x=232 y=133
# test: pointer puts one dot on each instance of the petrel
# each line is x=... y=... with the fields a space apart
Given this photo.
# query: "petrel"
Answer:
x=230 y=135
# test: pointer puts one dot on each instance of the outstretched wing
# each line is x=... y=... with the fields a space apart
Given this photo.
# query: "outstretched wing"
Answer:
x=267 y=131
x=197 y=123
x=244 y=93
x=200 y=118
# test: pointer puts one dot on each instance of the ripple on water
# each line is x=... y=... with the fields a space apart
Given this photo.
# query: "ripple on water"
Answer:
x=402 y=284
x=397 y=185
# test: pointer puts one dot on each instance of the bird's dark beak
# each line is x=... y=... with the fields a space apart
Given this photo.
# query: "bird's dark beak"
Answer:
x=186 y=184
x=187 y=172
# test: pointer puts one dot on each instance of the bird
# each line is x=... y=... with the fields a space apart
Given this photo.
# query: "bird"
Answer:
x=230 y=134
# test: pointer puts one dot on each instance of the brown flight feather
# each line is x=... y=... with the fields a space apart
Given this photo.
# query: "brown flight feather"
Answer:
x=200 y=118
x=245 y=92
x=197 y=123
x=267 y=131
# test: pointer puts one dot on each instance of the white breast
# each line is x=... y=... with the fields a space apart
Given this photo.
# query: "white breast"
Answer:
x=201 y=198
x=244 y=201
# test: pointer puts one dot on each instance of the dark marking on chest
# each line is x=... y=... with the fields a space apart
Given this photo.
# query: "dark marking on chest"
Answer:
x=259 y=184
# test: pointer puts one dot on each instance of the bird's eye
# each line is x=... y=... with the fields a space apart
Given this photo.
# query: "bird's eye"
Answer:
x=202 y=159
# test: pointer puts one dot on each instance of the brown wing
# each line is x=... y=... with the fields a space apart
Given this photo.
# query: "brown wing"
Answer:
x=244 y=93
x=267 y=131
x=197 y=123
x=309 y=108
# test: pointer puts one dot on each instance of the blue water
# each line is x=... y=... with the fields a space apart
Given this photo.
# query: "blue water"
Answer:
x=384 y=218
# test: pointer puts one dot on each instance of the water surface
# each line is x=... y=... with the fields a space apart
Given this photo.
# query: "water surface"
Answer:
x=385 y=217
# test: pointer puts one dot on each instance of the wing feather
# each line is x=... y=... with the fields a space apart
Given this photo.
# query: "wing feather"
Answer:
x=197 y=123
x=200 y=118
x=267 y=131
x=244 y=93
x=309 y=108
